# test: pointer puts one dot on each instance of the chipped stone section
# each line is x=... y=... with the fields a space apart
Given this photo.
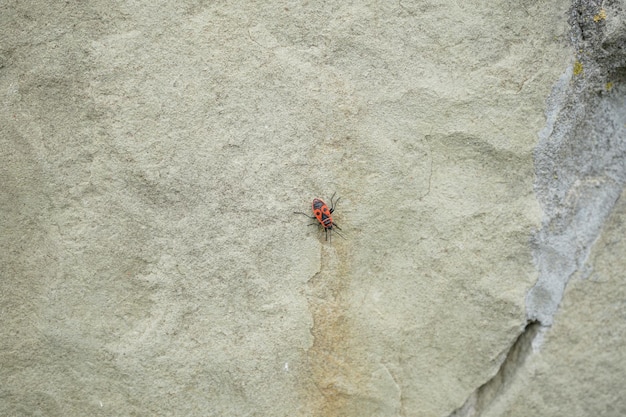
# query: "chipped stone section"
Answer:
x=581 y=157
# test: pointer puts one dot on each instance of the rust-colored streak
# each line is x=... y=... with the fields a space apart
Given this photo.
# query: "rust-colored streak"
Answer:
x=331 y=359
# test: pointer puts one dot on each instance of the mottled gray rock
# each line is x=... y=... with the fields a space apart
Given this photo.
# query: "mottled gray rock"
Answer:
x=577 y=366
x=581 y=157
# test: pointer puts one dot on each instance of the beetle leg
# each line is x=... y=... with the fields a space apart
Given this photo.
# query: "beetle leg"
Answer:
x=337 y=231
x=304 y=214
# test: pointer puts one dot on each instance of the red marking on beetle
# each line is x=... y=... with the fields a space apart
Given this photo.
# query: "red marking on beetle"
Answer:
x=323 y=215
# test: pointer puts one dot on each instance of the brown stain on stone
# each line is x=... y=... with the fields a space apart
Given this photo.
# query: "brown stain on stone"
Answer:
x=331 y=358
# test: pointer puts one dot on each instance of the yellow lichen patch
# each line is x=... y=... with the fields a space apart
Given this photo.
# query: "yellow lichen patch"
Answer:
x=578 y=68
x=600 y=16
x=608 y=86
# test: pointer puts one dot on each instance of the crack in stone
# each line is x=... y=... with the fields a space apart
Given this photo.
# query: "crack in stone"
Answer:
x=481 y=399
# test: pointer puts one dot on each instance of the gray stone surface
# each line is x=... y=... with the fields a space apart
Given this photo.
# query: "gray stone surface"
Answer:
x=153 y=155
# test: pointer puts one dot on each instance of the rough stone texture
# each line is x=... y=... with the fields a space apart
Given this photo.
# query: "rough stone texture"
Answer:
x=153 y=155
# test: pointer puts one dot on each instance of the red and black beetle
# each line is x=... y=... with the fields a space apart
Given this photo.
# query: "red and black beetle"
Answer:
x=323 y=215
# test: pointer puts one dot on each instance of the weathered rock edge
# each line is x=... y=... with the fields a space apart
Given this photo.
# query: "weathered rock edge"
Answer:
x=580 y=168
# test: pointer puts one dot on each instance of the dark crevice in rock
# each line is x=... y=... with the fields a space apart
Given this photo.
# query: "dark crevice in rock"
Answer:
x=481 y=399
